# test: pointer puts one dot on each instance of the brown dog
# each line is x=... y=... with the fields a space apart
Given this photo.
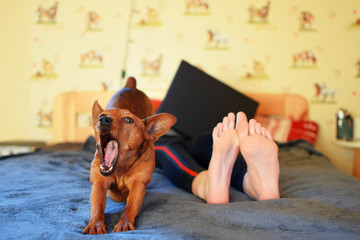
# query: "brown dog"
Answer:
x=125 y=159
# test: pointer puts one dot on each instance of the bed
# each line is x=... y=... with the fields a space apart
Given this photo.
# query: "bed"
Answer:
x=45 y=194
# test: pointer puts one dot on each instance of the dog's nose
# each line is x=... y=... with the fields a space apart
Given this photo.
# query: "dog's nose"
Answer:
x=105 y=121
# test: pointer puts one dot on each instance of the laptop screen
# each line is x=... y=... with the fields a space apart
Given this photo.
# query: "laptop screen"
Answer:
x=199 y=101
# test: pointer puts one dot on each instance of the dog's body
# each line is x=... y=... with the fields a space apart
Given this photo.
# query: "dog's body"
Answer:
x=124 y=160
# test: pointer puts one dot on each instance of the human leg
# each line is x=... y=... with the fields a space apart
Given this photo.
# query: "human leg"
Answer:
x=259 y=179
x=213 y=184
x=201 y=150
x=172 y=156
x=260 y=152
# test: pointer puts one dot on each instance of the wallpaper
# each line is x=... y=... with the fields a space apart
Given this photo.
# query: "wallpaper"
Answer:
x=310 y=48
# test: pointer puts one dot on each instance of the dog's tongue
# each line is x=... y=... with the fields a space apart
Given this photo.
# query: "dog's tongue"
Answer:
x=111 y=152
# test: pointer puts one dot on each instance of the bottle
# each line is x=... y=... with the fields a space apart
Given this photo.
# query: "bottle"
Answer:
x=344 y=125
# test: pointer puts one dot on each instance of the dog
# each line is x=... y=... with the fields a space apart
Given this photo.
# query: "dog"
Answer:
x=124 y=161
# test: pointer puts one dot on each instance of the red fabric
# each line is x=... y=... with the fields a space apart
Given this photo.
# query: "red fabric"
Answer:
x=156 y=104
x=283 y=130
x=306 y=130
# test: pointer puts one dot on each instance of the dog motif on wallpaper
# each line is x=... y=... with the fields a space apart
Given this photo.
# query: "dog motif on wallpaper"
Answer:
x=44 y=115
x=306 y=20
x=91 y=59
x=357 y=65
x=44 y=118
x=47 y=71
x=197 y=7
x=259 y=14
x=47 y=15
x=324 y=94
x=216 y=40
x=151 y=18
x=257 y=73
x=304 y=60
x=93 y=21
x=152 y=66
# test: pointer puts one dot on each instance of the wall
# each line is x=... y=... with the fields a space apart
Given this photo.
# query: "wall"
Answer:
x=43 y=56
x=14 y=74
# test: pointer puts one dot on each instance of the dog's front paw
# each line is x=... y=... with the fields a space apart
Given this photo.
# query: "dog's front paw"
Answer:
x=123 y=227
x=95 y=227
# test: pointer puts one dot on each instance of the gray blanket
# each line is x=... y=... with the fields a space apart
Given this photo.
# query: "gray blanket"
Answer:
x=45 y=195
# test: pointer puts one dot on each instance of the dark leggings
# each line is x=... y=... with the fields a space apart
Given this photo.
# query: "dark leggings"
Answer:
x=183 y=159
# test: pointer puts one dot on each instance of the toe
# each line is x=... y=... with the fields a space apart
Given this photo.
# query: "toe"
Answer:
x=232 y=120
x=263 y=131
x=226 y=122
x=242 y=126
x=268 y=135
x=252 y=124
x=215 y=133
x=258 y=128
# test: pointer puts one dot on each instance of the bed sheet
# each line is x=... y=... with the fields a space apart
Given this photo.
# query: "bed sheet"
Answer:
x=45 y=195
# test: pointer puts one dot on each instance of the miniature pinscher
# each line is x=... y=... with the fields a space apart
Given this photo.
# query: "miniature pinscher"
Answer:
x=124 y=161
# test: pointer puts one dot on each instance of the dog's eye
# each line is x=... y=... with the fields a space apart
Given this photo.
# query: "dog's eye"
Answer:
x=128 y=120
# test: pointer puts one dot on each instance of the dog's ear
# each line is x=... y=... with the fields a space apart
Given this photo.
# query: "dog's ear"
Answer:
x=157 y=125
x=96 y=110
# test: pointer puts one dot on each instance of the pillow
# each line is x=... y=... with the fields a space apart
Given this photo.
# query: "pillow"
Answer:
x=284 y=130
x=200 y=101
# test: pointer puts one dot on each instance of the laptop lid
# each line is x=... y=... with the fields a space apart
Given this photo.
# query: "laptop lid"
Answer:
x=199 y=101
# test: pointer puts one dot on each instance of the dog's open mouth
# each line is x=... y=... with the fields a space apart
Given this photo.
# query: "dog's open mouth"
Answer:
x=109 y=156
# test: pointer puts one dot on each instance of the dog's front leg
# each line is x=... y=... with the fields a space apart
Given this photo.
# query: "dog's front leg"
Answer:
x=97 y=203
x=134 y=201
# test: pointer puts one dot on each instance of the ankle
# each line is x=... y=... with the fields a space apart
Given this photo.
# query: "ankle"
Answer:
x=220 y=196
x=270 y=191
x=269 y=195
x=248 y=189
x=199 y=185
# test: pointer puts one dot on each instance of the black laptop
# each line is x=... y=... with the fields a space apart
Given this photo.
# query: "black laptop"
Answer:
x=199 y=101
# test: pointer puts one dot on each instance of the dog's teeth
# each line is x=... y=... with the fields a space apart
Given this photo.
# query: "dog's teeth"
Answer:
x=105 y=169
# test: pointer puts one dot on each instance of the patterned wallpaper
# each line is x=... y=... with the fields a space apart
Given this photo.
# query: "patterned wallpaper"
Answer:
x=305 y=47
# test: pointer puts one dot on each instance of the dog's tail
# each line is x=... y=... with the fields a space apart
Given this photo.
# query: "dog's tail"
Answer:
x=131 y=82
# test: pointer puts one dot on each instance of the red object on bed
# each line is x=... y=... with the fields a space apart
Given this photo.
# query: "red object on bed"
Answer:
x=284 y=129
x=307 y=130
x=156 y=104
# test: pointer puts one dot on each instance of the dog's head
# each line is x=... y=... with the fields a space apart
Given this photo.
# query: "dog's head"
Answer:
x=118 y=132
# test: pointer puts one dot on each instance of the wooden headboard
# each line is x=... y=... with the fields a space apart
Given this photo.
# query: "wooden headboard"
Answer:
x=68 y=107
x=289 y=106
x=72 y=111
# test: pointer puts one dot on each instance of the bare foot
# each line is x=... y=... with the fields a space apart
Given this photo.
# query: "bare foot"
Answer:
x=260 y=152
x=213 y=185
